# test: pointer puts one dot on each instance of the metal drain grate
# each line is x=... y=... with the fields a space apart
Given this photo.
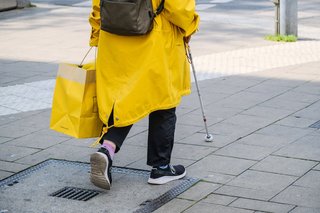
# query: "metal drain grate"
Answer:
x=316 y=125
x=74 y=193
x=12 y=187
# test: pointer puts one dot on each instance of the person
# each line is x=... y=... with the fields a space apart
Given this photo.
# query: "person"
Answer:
x=143 y=75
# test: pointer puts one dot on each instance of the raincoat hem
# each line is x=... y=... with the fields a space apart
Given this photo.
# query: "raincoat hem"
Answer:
x=134 y=120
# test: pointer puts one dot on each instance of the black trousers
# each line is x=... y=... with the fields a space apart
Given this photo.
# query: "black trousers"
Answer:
x=160 y=136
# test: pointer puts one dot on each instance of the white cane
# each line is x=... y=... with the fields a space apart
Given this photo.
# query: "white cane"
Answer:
x=208 y=137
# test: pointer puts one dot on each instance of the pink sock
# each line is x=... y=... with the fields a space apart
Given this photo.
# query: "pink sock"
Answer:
x=110 y=149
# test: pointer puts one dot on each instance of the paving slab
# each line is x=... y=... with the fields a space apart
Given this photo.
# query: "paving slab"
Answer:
x=183 y=131
x=299 y=97
x=129 y=154
x=245 y=151
x=12 y=167
x=142 y=163
x=282 y=80
x=4 y=139
x=309 y=88
x=231 y=130
x=13 y=153
x=262 y=180
x=135 y=130
x=5 y=174
x=183 y=110
x=67 y=152
x=198 y=139
x=213 y=208
x=305 y=210
x=37 y=141
x=16 y=131
x=176 y=205
x=50 y=132
x=85 y=142
x=191 y=152
x=311 y=112
x=296 y=121
x=317 y=167
x=290 y=133
x=193 y=119
x=271 y=141
x=218 y=113
x=6 y=119
x=261 y=205
x=250 y=121
x=286 y=166
x=138 y=140
x=219 y=87
x=208 y=97
x=219 y=199
x=241 y=81
x=244 y=192
x=278 y=102
x=258 y=185
x=267 y=112
x=214 y=177
x=307 y=148
x=188 y=102
x=243 y=100
x=310 y=180
x=6 y=110
x=265 y=87
x=199 y=191
x=296 y=195
x=225 y=166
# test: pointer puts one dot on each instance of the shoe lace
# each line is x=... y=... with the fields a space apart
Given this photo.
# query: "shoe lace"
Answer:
x=172 y=169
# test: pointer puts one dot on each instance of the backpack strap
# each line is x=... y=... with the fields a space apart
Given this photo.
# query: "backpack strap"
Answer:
x=159 y=9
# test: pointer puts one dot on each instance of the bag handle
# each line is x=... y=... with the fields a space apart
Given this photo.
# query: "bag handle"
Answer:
x=86 y=56
x=159 y=9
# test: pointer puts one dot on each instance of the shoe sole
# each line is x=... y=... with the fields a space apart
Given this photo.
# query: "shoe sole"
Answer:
x=99 y=166
x=165 y=179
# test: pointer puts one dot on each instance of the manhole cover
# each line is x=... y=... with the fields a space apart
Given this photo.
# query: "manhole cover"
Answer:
x=33 y=190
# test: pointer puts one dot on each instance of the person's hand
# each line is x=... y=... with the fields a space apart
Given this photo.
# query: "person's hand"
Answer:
x=187 y=39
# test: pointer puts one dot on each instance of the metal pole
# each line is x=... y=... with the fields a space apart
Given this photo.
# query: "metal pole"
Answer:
x=277 y=17
x=289 y=17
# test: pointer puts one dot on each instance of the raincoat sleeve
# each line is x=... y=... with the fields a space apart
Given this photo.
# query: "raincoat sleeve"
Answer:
x=182 y=14
x=94 y=20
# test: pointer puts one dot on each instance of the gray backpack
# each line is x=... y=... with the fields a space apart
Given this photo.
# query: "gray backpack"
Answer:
x=128 y=17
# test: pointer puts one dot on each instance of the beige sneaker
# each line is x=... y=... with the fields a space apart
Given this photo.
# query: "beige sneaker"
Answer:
x=101 y=169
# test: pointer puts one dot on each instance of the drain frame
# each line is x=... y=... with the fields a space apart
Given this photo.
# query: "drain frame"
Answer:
x=145 y=207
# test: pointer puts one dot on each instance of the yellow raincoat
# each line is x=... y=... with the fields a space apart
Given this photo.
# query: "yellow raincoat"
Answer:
x=137 y=75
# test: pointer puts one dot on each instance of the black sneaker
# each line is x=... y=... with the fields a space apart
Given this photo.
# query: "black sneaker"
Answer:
x=162 y=176
x=101 y=168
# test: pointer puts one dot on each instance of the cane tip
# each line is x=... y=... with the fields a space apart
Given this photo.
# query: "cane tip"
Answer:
x=208 y=138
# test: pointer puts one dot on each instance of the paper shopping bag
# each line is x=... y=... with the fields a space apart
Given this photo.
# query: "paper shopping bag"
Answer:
x=74 y=108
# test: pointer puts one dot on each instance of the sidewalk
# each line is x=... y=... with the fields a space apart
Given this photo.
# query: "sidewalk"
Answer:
x=261 y=100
